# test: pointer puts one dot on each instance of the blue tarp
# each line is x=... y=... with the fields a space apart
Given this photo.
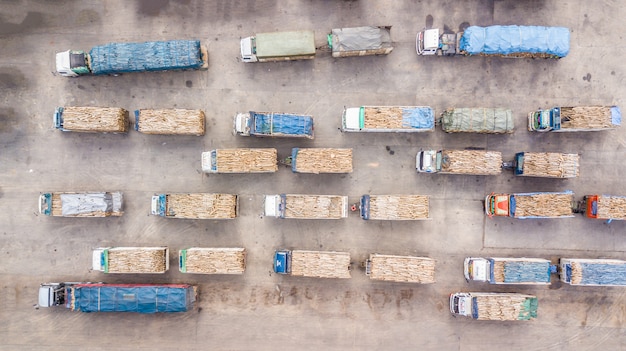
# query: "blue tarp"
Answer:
x=281 y=123
x=506 y=40
x=526 y=272
x=418 y=117
x=616 y=116
x=133 y=298
x=149 y=56
x=603 y=274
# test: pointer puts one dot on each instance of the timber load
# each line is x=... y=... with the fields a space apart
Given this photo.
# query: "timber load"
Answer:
x=544 y=205
x=201 y=206
x=321 y=160
x=471 y=162
x=320 y=264
x=170 y=121
x=406 y=269
x=550 y=164
x=137 y=260
x=213 y=260
x=395 y=207
x=246 y=160
x=92 y=119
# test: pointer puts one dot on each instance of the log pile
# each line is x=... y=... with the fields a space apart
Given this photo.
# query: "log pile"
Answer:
x=320 y=160
x=215 y=260
x=399 y=207
x=201 y=206
x=586 y=117
x=137 y=260
x=383 y=118
x=171 y=121
x=320 y=264
x=550 y=165
x=402 y=268
x=544 y=205
x=95 y=119
x=471 y=162
x=504 y=307
x=247 y=160
x=611 y=207
x=315 y=206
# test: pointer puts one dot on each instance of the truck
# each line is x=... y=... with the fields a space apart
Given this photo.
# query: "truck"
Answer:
x=394 y=207
x=306 y=206
x=494 y=306
x=592 y=272
x=195 y=205
x=320 y=160
x=242 y=160
x=131 y=259
x=173 y=121
x=472 y=162
x=503 y=41
x=606 y=207
x=205 y=260
x=316 y=264
x=388 y=119
x=530 y=205
x=500 y=270
x=278 y=46
x=103 y=297
x=546 y=165
x=360 y=41
x=118 y=58
x=273 y=124
x=575 y=119
x=91 y=119
x=401 y=269
x=477 y=120
x=88 y=204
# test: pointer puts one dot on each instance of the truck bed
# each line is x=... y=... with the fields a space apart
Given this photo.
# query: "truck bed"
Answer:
x=170 y=121
x=213 y=260
x=247 y=160
x=315 y=206
x=521 y=271
x=597 y=272
x=321 y=160
x=395 y=207
x=361 y=41
x=282 y=124
x=92 y=119
x=103 y=204
x=201 y=206
x=505 y=307
x=320 y=264
x=611 y=207
x=587 y=117
x=477 y=120
x=471 y=162
x=550 y=165
x=407 y=269
x=136 y=260
x=398 y=117
x=543 y=205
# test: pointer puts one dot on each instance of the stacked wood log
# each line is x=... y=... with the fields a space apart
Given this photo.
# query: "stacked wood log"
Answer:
x=171 y=121
x=215 y=260
x=502 y=307
x=586 y=117
x=498 y=270
x=471 y=162
x=95 y=119
x=550 y=164
x=577 y=273
x=247 y=160
x=201 y=206
x=320 y=160
x=320 y=264
x=385 y=117
x=611 y=207
x=137 y=260
x=315 y=206
x=544 y=205
x=402 y=268
x=399 y=207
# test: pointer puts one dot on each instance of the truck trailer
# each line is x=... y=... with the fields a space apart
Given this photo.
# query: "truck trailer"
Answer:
x=500 y=270
x=131 y=260
x=91 y=119
x=472 y=162
x=102 y=297
x=360 y=41
x=388 y=119
x=531 y=205
x=575 y=119
x=477 y=120
x=195 y=206
x=494 y=306
x=89 y=204
x=320 y=160
x=174 y=121
x=118 y=58
x=402 y=269
x=278 y=46
x=306 y=206
x=316 y=264
x=607 y=207
x=546 y=165
x=592 y=272
x=394 y=207
x=504 y=41
x=273 y=124
x=244 y=160
x=205 y=260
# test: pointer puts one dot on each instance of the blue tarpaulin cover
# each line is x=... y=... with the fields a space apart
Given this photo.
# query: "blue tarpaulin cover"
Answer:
x=418 y=117
x=282 y=123
x=603 y=273
x=149 y=56
x=132 y=298
x=506 y=40
x=521 y=272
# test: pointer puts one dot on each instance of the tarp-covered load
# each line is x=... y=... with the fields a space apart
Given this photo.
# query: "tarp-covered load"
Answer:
x=212 y=260
x=394 y=207
x=148 y=56
x=542 y=205
x=321 y=160
x=401 y=117
x=269 y=123
x=103 y=204
x=91 y=119
x=320 y=264
x=285 y=44
x=201 y=206
x=477 y=120
x=471 y=162
x=596 y=272
x=521 y=41
x=520 y=271
x=547 y=164
x=141 y=298
x=407 y=269
x=504 y=307
x=360 y=41
x=170 y=121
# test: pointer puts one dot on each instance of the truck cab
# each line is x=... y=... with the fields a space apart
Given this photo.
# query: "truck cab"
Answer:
x=158 y=205
x=282 y=261
x=353 y=119
x=242 y=123
x=248 y=50
x=45 y=204
x=51 y=294
x=544 y=120
x=461 y=304
x=98 y=258
x=71 y=63
x=428 y=161
x=500 y=205
x=272 y=205
x=476 y=269
x=429 y=42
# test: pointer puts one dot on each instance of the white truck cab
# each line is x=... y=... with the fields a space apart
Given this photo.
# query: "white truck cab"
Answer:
x=97 y=263
x=248 y=53
x=242 y=124
x=461 y=304
x=272 y=205
x=352 y=119
x=476 y=269
x=426 y=161
x=63 y=65
x=427 y=42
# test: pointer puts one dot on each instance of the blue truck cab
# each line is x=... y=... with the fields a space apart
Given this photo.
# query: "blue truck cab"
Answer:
x=282 y=261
